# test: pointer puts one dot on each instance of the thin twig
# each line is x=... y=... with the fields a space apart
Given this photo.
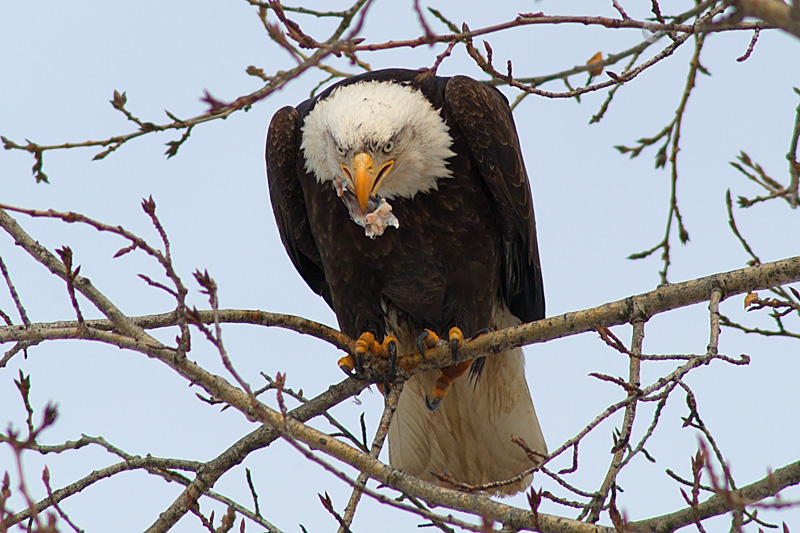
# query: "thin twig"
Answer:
x=592 y=509
x=377 y=445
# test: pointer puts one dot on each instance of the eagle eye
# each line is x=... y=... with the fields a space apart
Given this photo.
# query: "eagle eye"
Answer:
x=339 y=150
x=388 y=147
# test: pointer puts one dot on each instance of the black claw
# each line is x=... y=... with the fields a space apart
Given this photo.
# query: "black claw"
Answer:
x=483 y=331
x=359 y=359
x=353 y=373
x=432 y=406
x=358 y=370
x=454 y=350
x=387 y=387
x=421 y=342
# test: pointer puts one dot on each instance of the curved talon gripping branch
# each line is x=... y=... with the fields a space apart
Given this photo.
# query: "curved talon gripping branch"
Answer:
x=353 y=365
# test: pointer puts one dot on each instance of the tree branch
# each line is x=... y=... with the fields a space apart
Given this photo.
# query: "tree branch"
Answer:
x=716 y=505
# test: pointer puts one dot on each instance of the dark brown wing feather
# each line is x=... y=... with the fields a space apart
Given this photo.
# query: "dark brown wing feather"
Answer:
x=484 y=118
x=288 y=202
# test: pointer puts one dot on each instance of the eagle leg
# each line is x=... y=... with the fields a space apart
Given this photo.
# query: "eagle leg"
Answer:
x=353 y=365
x=449 y=373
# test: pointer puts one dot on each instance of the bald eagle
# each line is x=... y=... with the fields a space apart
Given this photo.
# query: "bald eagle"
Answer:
x=402 y=199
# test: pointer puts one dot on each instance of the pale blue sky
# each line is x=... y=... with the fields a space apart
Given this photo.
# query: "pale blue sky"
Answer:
x=61 y=63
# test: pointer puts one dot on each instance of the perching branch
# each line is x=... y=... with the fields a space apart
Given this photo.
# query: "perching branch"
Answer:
x=633 y=309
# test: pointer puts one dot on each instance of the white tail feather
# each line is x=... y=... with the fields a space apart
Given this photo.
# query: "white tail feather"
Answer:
x=469 y=436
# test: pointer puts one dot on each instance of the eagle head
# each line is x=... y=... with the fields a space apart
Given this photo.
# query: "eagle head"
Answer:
x=373 y=142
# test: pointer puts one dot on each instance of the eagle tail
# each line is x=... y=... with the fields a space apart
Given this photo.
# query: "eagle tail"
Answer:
x=469 y=438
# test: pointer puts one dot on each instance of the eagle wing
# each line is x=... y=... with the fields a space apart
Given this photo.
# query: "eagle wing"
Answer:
x=483 y=116
x=284 y=161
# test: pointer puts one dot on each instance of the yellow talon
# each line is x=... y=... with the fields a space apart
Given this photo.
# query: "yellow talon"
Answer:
x=347 y=363
x=449 y=373
x=456 y=337
x=426 y=340
x=365 y=344
x=387 y=348
x=431 y=339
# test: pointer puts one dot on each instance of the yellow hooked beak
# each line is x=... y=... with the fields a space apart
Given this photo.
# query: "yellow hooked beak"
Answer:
x=366 y=181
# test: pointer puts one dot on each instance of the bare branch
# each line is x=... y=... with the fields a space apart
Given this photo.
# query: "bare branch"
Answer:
x=23 y=315
x=621 y=442
x=389 y=409
x=716 y=505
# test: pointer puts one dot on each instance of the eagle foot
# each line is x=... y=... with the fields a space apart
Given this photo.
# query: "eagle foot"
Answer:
x=353 y=365
x=432 y=405
x=448 y=375
x=456 y=337
x=426 y=340
x=350 y=365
